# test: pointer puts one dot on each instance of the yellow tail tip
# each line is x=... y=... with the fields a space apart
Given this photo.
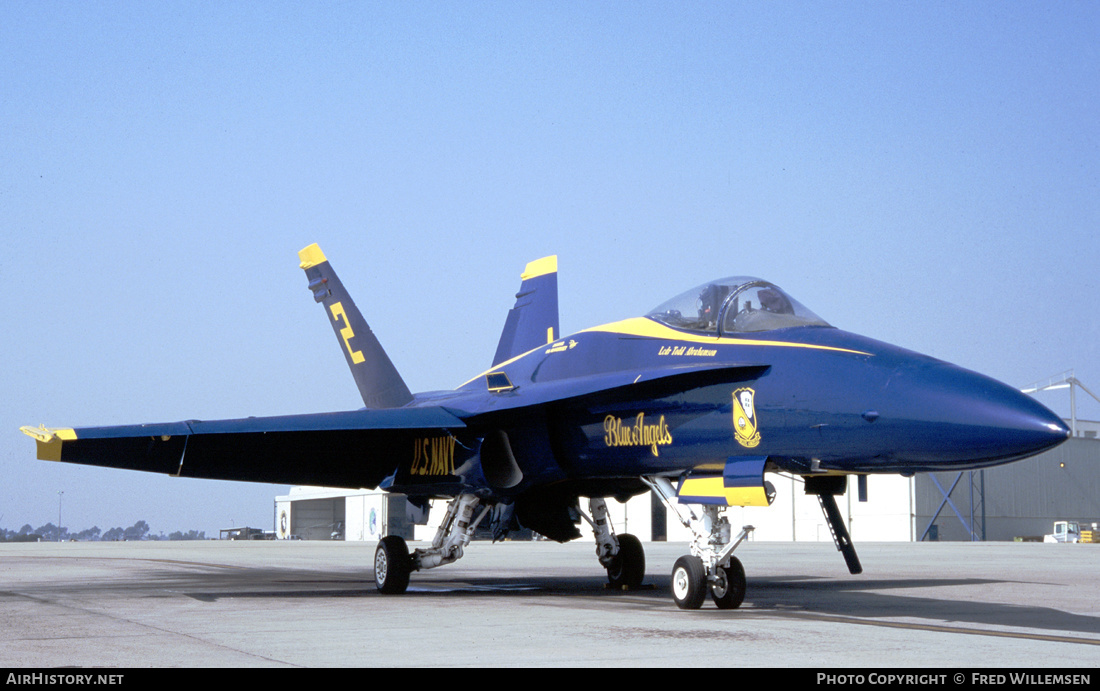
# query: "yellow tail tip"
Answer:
x=540 y=267
x=311 y=256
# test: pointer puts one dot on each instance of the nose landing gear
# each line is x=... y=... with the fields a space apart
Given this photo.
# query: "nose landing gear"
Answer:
x=711 y=566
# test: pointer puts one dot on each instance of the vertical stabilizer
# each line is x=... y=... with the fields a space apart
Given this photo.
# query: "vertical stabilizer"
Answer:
x=534 y=319
x=379 y=383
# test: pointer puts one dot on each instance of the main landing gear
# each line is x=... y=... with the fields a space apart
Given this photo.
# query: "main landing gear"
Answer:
x=622 y=555
x=711 y=566
x=393 y=564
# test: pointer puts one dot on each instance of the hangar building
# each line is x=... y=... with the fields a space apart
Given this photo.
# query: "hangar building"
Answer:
x=1020 y=500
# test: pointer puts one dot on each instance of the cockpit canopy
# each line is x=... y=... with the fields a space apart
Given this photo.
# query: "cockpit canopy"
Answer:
x=738 y=304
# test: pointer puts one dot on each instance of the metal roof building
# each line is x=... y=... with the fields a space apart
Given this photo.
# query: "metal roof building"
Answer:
x=1020 y=500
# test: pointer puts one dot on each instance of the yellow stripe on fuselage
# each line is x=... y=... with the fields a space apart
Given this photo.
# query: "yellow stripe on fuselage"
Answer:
x=645 y=327
x=503 y=364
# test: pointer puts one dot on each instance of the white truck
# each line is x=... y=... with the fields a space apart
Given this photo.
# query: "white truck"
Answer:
x=1071 y=531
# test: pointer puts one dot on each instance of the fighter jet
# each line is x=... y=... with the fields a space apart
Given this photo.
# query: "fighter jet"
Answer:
x=695 y=401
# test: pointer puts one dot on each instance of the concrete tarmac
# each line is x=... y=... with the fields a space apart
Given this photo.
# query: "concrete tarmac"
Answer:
x=313 y=604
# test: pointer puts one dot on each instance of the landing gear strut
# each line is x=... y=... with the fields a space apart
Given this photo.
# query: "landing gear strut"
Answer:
x=622 y=555
x=393 y=564
x=711 y=565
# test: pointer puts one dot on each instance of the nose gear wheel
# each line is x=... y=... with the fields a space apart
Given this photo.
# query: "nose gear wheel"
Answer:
x=727 y=588
x=689 y=582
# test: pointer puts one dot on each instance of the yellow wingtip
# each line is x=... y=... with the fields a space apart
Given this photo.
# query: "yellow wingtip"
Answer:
x=311 y=256
x=49 y=441
x=46 y=435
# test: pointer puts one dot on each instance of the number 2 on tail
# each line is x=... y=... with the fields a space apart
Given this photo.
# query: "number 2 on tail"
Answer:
x=346 y=333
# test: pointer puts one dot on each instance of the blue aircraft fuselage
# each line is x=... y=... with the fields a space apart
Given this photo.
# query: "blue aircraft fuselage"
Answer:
x=824 y=400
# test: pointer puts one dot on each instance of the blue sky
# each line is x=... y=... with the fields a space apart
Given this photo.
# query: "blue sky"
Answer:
x=923 y=173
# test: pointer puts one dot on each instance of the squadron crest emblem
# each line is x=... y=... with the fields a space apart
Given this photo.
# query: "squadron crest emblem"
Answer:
x=744 y=418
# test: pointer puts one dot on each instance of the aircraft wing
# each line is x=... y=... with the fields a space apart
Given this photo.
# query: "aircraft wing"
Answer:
x=351 y=449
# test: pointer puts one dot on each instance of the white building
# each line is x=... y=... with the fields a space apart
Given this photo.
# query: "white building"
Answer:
x=317 y=513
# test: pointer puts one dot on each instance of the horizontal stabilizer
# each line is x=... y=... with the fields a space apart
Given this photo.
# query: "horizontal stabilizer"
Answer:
x=353 y=449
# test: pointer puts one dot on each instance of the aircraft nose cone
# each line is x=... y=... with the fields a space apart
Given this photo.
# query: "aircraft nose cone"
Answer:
x=963 y=419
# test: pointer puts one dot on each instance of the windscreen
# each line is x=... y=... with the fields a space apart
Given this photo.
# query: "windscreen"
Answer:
x=739 y=304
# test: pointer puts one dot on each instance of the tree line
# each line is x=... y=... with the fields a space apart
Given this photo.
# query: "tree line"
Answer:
x=51 y=533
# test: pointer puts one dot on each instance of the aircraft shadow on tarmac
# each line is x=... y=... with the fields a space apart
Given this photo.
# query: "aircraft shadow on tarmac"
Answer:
x=782 y=595
x=876 y=599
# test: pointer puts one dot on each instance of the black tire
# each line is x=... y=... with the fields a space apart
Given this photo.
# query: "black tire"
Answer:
x=728 y=588
x=392 y=565
x=689 y=582
x=628 y=569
